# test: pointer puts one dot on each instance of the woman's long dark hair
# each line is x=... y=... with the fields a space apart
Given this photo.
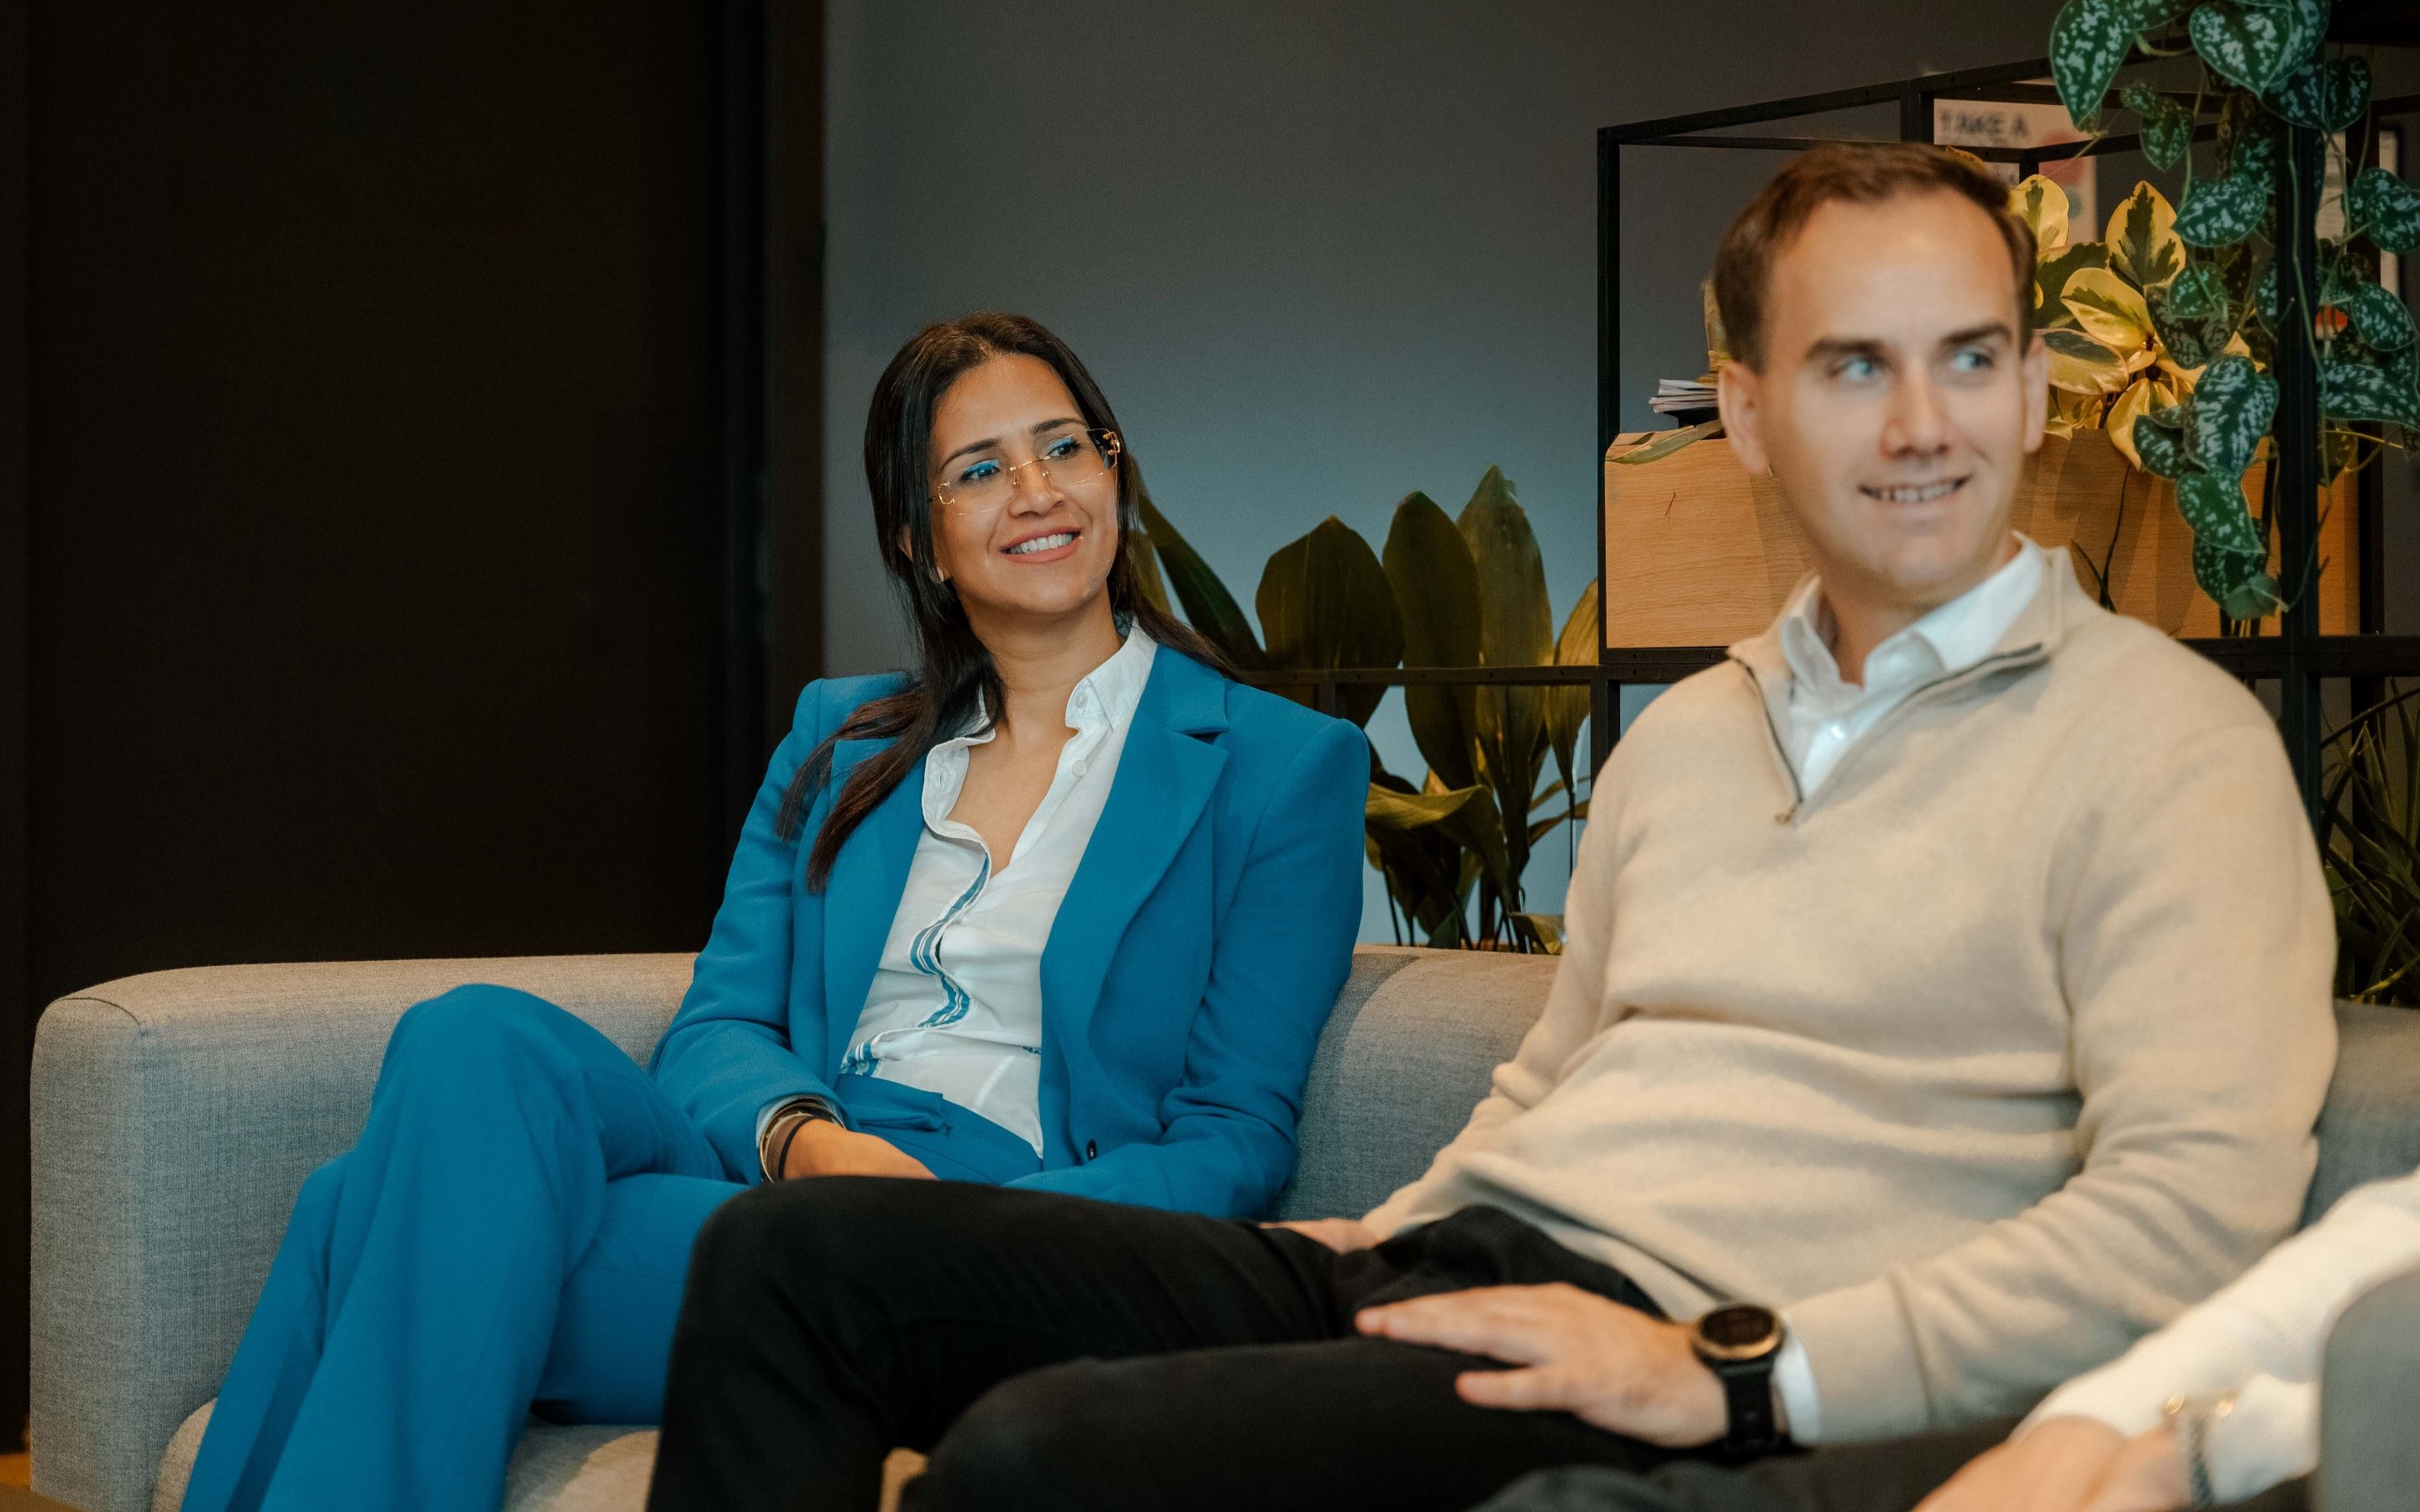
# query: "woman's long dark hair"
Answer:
x=954 y=669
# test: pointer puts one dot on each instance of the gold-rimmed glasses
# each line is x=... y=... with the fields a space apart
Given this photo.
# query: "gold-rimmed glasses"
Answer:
x=1075 y=461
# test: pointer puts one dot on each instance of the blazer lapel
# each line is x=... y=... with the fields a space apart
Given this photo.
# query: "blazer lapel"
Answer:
x=1164 y=780
x=868 y=878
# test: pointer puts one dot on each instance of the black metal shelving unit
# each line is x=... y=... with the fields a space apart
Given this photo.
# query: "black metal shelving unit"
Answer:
x=2298 y=658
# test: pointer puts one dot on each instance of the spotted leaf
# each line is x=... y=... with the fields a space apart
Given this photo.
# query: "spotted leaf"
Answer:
x=2325 y=94
x=2256 y=45
x=2232 y=406
x=2212 y=504
x=2386 y=208
x=2167 y=126
x=2221 y=212
x=2236 y=580
x=2160 y=442
x=2089 y=39
x=2191 y=314
x=2383 y=321
x=2383 y=391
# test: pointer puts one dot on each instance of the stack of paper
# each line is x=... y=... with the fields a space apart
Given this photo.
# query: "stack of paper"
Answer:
x=1678 y=396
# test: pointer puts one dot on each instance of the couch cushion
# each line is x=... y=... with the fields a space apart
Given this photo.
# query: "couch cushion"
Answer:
x=1404 y=1059
x=2371 y=1127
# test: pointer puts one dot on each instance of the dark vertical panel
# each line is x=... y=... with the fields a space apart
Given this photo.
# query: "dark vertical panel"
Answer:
x=740 y=400
x=16 y=1003
x=794 y=353
x=2300 y=710
x=379 y=555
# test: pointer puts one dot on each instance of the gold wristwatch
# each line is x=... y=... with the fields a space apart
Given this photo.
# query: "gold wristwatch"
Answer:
x=2190 y=1419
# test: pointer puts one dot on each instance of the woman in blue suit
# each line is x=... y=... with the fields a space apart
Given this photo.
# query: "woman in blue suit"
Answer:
x=1063 y=908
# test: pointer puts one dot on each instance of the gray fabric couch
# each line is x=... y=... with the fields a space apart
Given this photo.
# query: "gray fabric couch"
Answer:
x=176 y=1115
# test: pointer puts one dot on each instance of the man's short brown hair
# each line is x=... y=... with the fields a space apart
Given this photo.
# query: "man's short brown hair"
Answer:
x=1863 y=173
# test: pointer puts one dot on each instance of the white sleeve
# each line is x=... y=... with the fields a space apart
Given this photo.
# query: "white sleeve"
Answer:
x=2272 y=1435
x=1793 y=1382
x=2271 y=1322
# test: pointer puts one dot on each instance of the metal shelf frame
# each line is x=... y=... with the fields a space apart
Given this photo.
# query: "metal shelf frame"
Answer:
x=2298 y=658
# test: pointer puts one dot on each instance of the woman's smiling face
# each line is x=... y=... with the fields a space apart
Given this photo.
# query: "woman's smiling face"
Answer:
x=1016 y=526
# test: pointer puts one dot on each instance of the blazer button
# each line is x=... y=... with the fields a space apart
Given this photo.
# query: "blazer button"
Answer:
x=1091 y=1149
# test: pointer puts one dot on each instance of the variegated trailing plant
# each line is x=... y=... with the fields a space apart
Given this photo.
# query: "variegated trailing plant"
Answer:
x=1466 y=591
x=2263 y=66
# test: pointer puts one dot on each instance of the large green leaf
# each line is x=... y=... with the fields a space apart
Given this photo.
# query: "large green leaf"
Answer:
x=1325 y=602
x=2255 y=45
x=2232 y=406
x=2142 y=238
x=1386 y=809
x=2383 y=321
x=2386 y=208
x=1436 y=592
x=2087 y=41
x=1145 y=558
x=2383 y=391
x=2325 y=94
x=2167 y=126
x=1516 y=629
x=1567 y=708
x=2236 y=579
x=2213 y=503
x=1207 y=604
x=2221 y=212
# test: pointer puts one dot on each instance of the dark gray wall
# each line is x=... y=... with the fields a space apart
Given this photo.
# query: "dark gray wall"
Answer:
x=1318 y=255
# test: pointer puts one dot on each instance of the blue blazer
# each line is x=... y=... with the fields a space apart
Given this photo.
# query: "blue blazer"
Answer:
x=1200 y=948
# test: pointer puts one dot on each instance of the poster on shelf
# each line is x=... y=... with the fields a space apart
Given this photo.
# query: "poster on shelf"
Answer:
x=1988 y=123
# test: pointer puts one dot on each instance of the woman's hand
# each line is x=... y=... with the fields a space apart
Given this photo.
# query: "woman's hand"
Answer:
x=825 y=1149
x=1342 y=1235
x=2061 y=1465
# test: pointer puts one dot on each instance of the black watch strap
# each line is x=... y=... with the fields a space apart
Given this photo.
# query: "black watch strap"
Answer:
x=1748 y=1390
x=1740 y=1344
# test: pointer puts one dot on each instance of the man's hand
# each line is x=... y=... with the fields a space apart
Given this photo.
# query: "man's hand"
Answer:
x=825 y=1149
x=1342 y=1235
x=1607 y=1364
x=2065 y=1464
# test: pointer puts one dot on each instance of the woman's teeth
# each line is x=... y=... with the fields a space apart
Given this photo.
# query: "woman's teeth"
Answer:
x=1914 y=493
x=1042 y=543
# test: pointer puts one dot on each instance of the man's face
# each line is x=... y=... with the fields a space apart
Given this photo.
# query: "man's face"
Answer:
x=1897 y=398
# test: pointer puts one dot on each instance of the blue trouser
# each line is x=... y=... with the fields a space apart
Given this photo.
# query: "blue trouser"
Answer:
x=509 y=1235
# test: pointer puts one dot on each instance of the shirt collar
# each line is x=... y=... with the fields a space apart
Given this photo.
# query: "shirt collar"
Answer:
x=1107 y=696
x=1958 y=634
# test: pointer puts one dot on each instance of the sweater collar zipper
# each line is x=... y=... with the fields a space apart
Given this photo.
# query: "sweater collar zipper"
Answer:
x=1799 y=797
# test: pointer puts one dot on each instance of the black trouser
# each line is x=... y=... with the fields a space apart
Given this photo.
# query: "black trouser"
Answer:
x=1054 y=1352
x=1867 y=1477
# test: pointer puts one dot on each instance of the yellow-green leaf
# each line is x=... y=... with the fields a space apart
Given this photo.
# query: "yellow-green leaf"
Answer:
x=2080 y=364
x=2109 y=310
x=2043 y=206
x=2139 y=396
x=2142 y=238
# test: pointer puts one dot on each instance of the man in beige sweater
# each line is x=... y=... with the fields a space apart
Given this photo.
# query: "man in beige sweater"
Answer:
x=1945 y=1005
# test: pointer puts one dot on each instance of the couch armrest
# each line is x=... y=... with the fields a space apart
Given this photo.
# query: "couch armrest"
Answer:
x=2371 y=1127
x=175 y=1116
x=2370 y=1458
x=1405 y=1058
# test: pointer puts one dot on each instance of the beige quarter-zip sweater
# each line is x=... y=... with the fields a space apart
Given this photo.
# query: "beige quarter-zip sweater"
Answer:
x=1996 y=1052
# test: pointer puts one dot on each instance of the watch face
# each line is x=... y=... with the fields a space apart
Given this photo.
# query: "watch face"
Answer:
x=1742 y=1331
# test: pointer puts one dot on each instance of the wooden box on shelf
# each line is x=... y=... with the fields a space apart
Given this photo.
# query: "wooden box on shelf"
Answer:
x=1698 y=553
